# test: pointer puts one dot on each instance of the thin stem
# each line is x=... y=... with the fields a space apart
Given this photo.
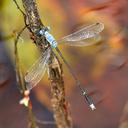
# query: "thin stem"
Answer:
x=18 y=7
x=24 y=15
x=18 y=69
x=32 y=123
x=20 y=79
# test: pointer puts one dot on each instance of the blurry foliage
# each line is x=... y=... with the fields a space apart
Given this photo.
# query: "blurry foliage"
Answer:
x=63 y=17
x=59 y=23
x=124 y=117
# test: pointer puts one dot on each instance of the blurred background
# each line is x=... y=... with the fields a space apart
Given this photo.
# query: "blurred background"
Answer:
x=102 y=68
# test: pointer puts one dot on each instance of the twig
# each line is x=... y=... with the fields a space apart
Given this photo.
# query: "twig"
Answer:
x=24 y=15
x=18 y=70
x=18 y=7
x=20 y=79
x=59 y=104
x=32 y=122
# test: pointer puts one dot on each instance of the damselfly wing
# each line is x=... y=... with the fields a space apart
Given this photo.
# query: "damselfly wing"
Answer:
x=36 y=72
x=78 y=38
x=86 y=36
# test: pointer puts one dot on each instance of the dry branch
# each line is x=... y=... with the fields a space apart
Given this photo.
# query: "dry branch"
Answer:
x=59 y=104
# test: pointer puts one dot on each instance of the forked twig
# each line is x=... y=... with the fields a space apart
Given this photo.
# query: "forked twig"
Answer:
x=24 y=15
x=20 y=79
x=18 y=70
x=60 y=109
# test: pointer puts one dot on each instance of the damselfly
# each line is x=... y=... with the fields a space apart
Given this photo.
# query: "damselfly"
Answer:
x=78 y=38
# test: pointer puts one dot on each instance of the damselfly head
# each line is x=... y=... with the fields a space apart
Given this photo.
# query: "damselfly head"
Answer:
x=43 y=30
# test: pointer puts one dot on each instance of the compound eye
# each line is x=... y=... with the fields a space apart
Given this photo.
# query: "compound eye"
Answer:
x=41 y=32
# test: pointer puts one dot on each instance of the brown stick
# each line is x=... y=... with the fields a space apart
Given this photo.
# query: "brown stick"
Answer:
x=59 y=104
x=20 y=80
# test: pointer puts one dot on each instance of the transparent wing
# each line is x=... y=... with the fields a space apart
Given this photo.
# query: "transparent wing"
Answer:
x=36 y=72
x=79 y=37
x=86 y=42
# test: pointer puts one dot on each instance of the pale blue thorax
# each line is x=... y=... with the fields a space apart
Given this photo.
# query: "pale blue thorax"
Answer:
x=49 y=37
